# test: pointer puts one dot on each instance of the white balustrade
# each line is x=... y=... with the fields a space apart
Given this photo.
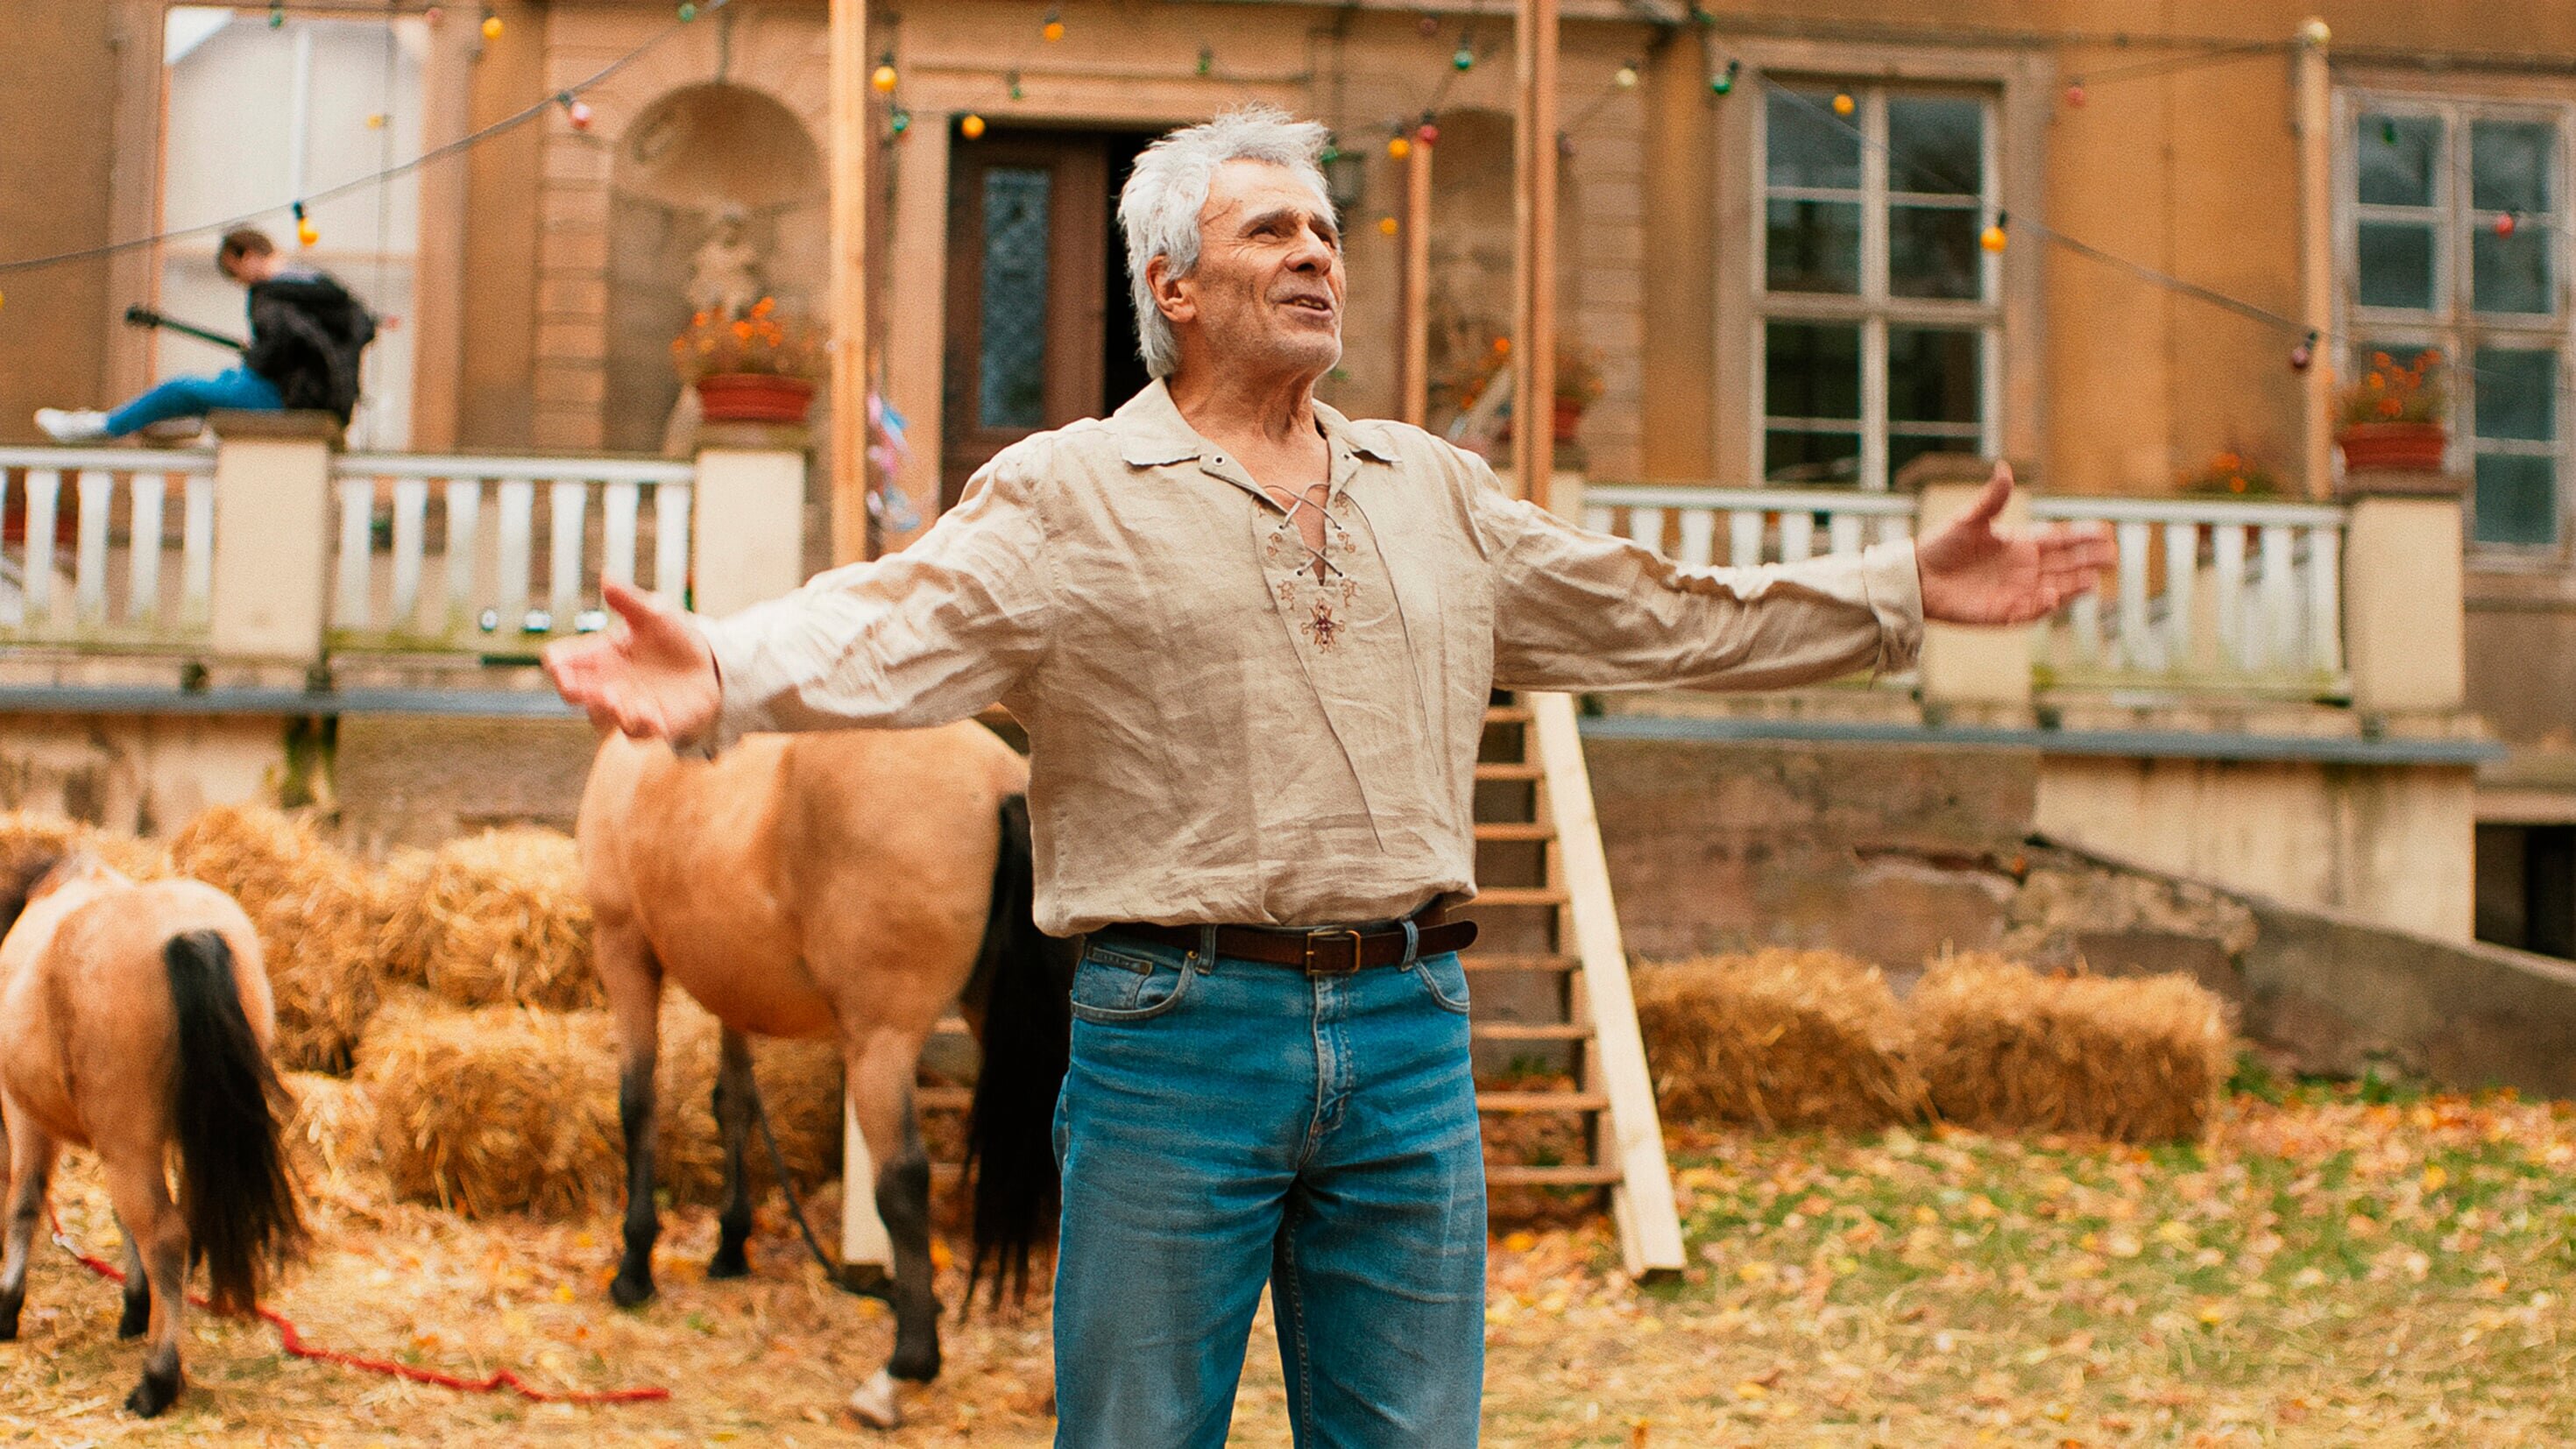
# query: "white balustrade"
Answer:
x=472 y=525
x=111 y=589
x=2205 y=593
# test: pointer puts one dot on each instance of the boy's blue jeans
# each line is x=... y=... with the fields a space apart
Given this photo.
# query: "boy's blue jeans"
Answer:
x=195 y=396
x=1229 y=1122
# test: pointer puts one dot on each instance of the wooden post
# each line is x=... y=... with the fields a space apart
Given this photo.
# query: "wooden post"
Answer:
x=851 y=139
x=1534 y=260
x=1416 y=370
x=2314 y=123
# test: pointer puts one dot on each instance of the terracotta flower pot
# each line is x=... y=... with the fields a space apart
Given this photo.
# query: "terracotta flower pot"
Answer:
x=754 y=397
x=2393 y=447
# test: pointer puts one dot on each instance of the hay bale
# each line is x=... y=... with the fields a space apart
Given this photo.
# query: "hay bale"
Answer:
x=494 y=919
x=332 y=1137
x=1778 y=1038
x=504 y=1109
x=2137 y=1059
x=310 y=904
x=496 y=1110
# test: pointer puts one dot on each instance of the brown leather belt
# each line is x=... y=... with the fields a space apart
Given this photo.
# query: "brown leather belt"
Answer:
x=1325 y=951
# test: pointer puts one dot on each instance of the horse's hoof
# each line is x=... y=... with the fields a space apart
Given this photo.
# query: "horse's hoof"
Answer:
x=874 y=1403
x=152 y=1395
x=628 y=1292
x=729 y=1262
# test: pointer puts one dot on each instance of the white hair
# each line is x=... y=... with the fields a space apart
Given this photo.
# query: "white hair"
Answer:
x=1159 y=207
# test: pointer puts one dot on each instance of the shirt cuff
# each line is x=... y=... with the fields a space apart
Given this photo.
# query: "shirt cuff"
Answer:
x=1893 y=583
x=734 y=653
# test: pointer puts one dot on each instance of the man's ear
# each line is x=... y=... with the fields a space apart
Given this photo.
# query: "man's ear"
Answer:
x=1171 y=295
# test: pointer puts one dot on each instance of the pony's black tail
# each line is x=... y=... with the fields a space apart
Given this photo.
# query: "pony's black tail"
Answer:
x=1028 y=1032
x=227 y=1107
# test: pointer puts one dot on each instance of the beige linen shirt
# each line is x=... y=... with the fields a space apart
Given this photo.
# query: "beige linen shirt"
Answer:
x=1221 y=727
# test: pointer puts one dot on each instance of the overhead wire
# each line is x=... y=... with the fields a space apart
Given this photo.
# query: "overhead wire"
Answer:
x=356 y=184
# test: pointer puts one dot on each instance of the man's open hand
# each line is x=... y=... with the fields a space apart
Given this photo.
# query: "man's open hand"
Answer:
x=1975 y=573
x=648 y=674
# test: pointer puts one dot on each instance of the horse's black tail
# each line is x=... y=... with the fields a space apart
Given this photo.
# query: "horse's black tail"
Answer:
x=1028 y=1033
x=227 y=1107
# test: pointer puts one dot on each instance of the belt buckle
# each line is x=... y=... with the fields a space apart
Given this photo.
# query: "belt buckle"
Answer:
x=1315 y=969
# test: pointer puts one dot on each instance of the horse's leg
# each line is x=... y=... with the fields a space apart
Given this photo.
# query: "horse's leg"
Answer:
x=141 y=1195
x=138 y=1287
x=31 y=1164
x=734 y=1086
x=633 y=981
x=881 y=1068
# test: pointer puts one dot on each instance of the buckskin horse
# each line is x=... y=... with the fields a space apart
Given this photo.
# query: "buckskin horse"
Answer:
x=849 y=884
x=135 y=1018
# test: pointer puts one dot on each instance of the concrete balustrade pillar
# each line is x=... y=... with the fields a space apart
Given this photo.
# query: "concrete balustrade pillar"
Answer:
x=747 y=527
x=1961 y=664
x=2403 y=611
x=272 y=550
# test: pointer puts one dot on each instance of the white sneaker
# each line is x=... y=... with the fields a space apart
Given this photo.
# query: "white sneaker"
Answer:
x=72 y=426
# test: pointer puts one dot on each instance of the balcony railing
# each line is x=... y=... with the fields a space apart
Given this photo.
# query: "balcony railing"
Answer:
x=105 y=549
x=439 y=554
x=2207 y=594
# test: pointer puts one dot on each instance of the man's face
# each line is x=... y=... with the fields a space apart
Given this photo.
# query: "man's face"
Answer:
x=1267 y=291
x=249 y=267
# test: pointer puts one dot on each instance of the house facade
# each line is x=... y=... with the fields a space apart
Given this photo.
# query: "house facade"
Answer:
x=1809 y=252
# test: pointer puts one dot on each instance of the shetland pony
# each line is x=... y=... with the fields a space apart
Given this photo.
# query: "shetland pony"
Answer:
x=848 y=885
x=135 y=1019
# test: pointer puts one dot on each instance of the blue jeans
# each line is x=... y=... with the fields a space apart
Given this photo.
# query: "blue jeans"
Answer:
x=194 y=397
x=1227 y=1122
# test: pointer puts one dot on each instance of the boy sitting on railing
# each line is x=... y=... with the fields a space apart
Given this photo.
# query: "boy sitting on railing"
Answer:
x=307 y=334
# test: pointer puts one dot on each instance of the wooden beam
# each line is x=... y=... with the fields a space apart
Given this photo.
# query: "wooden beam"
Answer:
x=852 y=139
x=1534 y=259
x=1416 y=370
x=1650 y=1229
x=2314 y=124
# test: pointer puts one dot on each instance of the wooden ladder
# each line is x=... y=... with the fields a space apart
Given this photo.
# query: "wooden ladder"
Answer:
x=1573 y=945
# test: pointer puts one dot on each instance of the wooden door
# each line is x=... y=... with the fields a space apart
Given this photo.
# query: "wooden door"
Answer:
x=1028 y=288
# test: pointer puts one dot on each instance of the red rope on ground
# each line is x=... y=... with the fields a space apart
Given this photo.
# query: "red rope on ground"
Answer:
x=294 y=1343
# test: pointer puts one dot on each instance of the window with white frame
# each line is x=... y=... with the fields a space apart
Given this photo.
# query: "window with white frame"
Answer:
x=2454 y=241
x=1879 y=314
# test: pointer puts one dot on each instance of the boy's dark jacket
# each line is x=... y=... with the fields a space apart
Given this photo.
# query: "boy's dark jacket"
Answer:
x=306 y=336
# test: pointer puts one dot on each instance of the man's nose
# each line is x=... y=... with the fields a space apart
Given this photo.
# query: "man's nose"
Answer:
x=1311 y=254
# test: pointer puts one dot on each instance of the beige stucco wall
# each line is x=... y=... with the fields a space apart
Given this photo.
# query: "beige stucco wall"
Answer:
x=141 y=773
x=2390 y=845
x=58 y=79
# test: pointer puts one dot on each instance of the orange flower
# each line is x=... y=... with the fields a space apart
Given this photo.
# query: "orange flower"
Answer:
x=2382 y=360
x=2390 y=407
x=764 y=306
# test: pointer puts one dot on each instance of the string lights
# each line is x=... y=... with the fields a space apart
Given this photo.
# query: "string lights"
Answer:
x=306 y=233
x=970 y=125
x=1723 y=82
x=1053 y=30
x=576 y=111
x=884 y=76
x=491 y=24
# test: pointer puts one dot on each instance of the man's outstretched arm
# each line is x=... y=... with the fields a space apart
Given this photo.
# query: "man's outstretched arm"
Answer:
x=932 y=634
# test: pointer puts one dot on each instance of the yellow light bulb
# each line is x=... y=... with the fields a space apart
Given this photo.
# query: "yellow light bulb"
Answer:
x=491 y=27
x=1993 y=239
x=972 y=126
x=883 y=78
x=1054 y=30
x=306 y=233
x=1389 y=225
x=1399 y=148
x=1844 y=105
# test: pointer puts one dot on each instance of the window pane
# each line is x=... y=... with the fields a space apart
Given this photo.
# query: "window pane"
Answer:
x=2509 y=165
x=1932 y=252
x=1011 y=378
x=2517 y=395
x=2511 y=272
x=1814 y=247
x=2399 y=157
x=1809 y=145
x=1904 y=448
x=1789 y=456
x=2517 y=499
x=1811 y=370
x=1936 y=145
x=1933 y=376
x=2396 y=265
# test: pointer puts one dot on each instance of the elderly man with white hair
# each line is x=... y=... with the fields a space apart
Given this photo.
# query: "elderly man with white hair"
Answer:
x=1252 y=641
